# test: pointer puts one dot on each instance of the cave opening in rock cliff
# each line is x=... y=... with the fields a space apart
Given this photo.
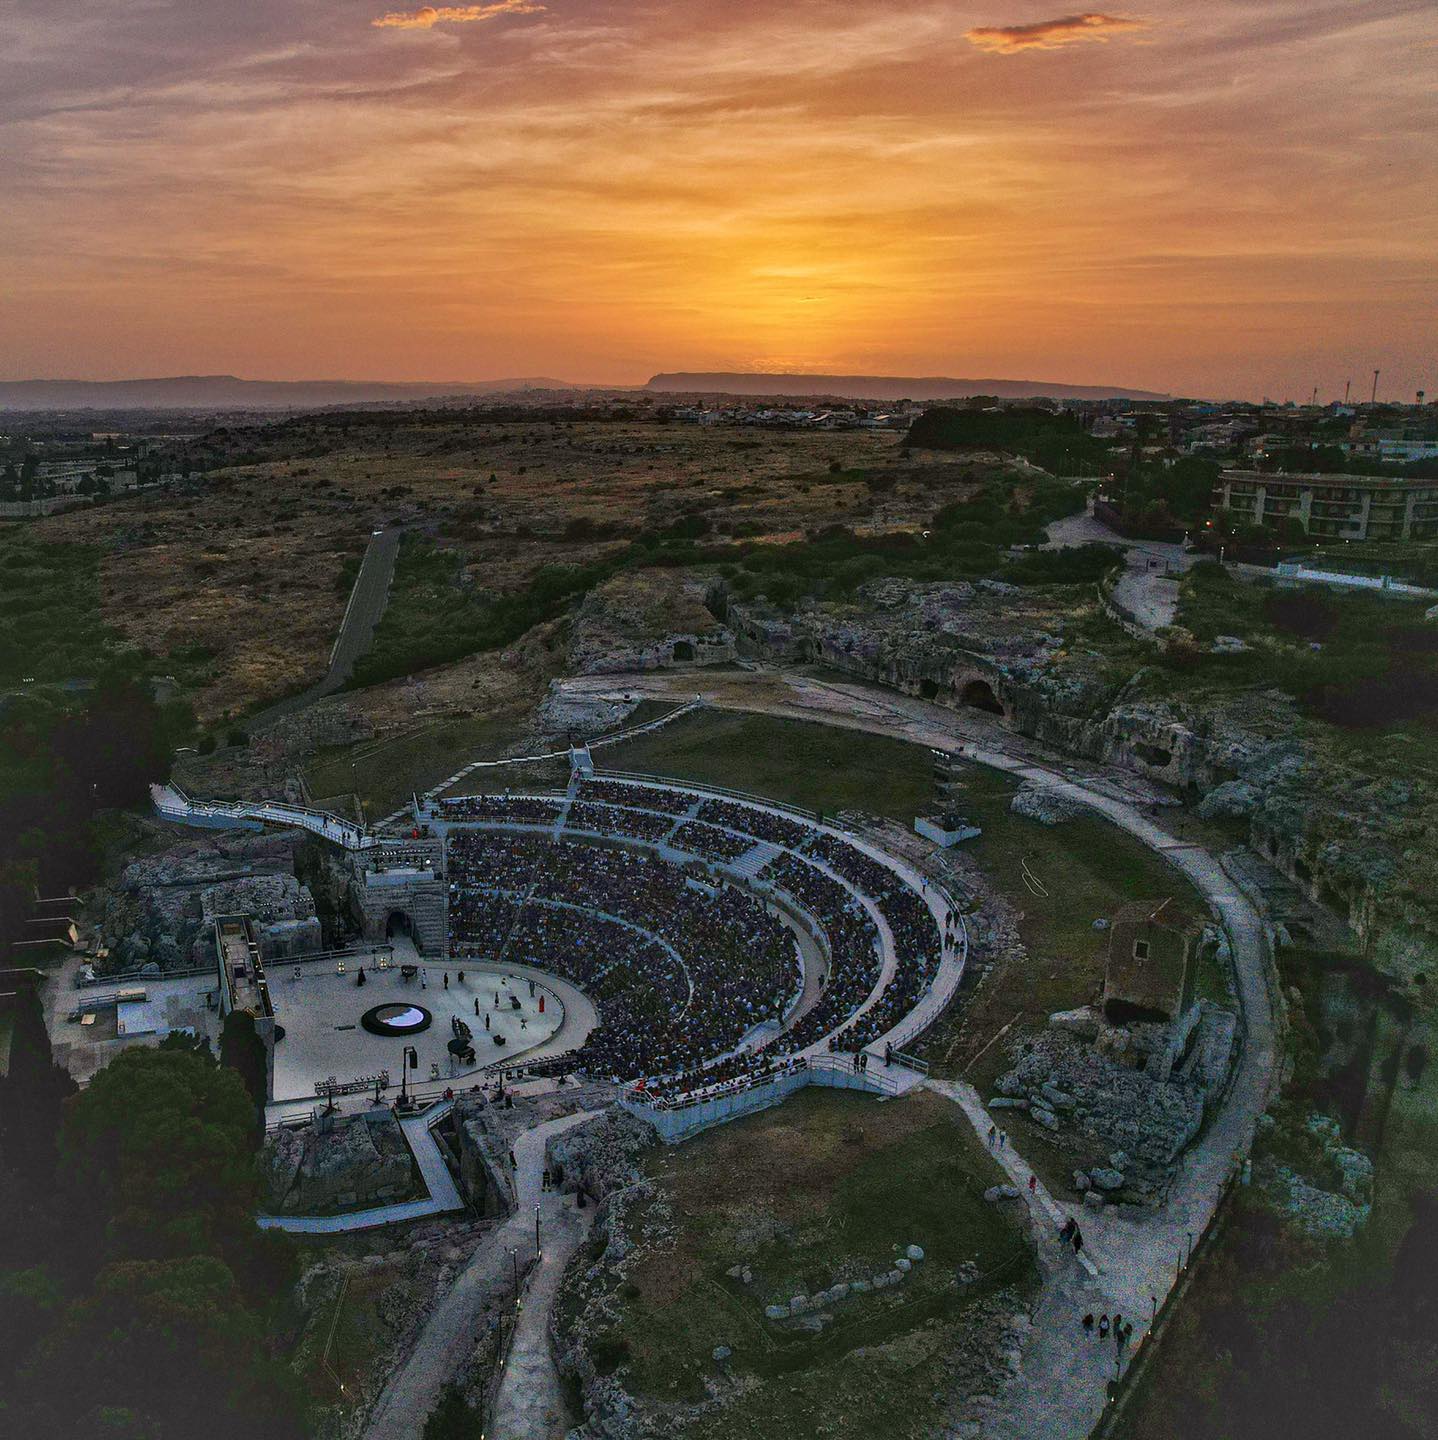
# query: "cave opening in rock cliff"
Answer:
x=928 y=689
x=1154 y=755
x=683 y=650
x=979 y=695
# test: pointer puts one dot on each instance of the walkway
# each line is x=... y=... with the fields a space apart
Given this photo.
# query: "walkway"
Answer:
x=442 y=1194
x=447 y=1341
x=1060 y=1390
x=171 y=803
x=362 y=615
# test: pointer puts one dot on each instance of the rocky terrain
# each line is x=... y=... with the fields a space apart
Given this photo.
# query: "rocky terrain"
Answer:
x=1135 y=1126
x=1353 y=825
x=160 y=910
x=647 y=619
x=1328 y=1198
x=337 y=1163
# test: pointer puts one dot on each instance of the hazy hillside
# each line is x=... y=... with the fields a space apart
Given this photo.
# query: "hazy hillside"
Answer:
x=886 y=387
x=208 y=392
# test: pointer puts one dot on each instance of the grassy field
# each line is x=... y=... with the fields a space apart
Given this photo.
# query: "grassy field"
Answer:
x=386 y=772
x=828 y=1186
x=50 y=625
x=817 y=766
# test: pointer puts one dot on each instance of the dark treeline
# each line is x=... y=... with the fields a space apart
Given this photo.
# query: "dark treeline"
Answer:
x=138 y=1299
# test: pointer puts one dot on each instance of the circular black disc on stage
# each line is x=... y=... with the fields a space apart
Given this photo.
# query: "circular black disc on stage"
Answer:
x=397 y=1018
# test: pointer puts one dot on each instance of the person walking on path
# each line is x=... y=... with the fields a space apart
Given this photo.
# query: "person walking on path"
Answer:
x=1103 y=1327
x=1033 y=1184
x=1088 y=1323
x=993 y=1135
x=446 y=979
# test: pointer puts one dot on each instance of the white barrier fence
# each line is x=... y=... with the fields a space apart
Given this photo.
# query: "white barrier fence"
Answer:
x=678 y=1119
x=171 y=803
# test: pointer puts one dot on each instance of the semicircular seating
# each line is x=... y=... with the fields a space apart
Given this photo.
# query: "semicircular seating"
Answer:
x=626 y=923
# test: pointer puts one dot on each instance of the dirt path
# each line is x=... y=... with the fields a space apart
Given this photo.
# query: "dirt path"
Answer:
x=449 y=1336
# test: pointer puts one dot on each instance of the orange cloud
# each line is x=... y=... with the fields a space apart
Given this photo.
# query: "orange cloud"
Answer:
x=1051 y=34
x=428 y=16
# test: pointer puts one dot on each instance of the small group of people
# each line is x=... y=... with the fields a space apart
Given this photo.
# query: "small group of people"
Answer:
x=1120 y=1329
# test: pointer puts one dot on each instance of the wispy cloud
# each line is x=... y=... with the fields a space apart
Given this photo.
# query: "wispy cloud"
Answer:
x=428 y=16
x=1052 y=34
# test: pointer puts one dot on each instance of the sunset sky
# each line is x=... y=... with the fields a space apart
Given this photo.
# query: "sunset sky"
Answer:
x=1231 y=198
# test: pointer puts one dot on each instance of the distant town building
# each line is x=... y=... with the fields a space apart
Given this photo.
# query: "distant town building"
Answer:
x=1391 y=447
x=1337 y=507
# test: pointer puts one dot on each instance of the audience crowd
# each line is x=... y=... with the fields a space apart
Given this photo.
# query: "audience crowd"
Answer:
x=680 y=970
x=515 y=809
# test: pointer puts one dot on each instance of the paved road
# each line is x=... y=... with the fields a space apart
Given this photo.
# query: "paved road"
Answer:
x=448 y=1338
x=1148 y=589
x=366 y=605
x=529 y=1405
x=1059 y=1391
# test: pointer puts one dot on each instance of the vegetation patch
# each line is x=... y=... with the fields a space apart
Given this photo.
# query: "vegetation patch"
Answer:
x=1356 y=661
x=827 y=1186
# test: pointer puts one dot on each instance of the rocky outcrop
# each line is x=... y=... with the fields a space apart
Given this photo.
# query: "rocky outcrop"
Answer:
x=482 y=1153
x=564 y=713
x=648 y=620
x=337 y=1164
x=1038 y=802
x=1328 y=1198
x=601 y=1155
x=160 y=911
x=1144 y=1123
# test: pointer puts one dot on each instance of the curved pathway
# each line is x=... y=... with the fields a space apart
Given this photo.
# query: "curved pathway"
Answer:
x=1060 y=1391
x=444 y=1346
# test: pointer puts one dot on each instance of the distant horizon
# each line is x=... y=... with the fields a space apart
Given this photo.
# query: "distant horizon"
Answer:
x=509 y=382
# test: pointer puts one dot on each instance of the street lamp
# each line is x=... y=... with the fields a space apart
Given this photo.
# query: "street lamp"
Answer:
x=514 y=1262
x=537 y=1250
